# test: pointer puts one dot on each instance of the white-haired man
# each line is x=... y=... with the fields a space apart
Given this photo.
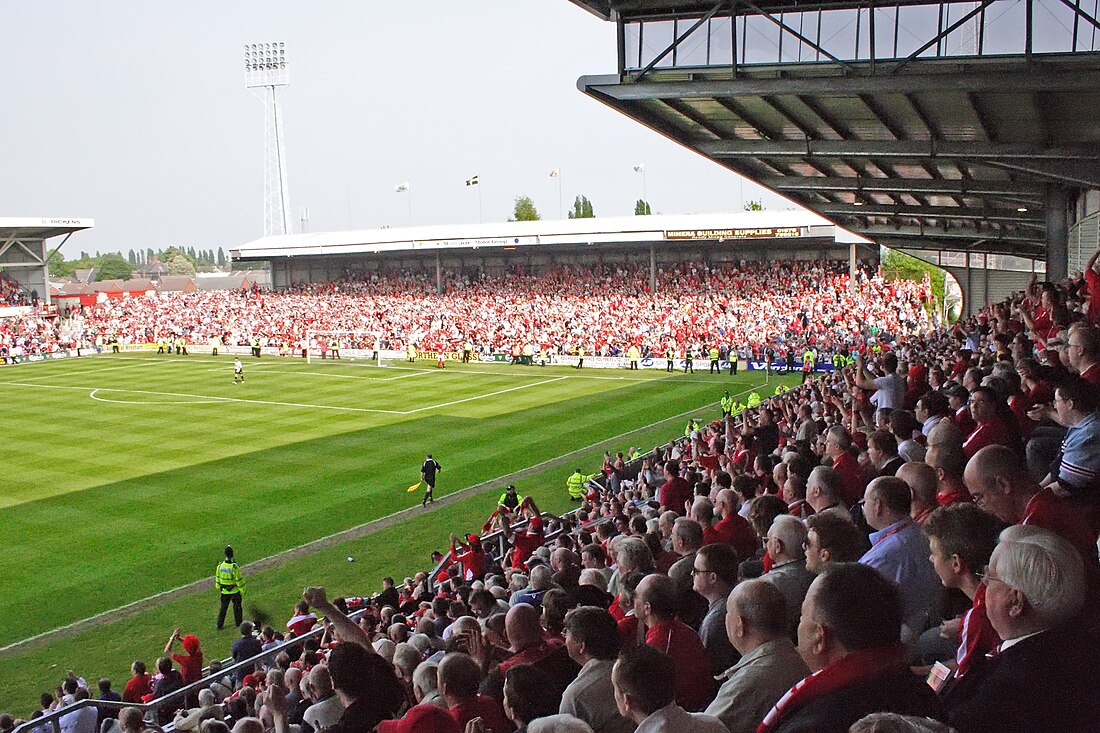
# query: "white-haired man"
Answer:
x=1044 y=675
x=786 y=544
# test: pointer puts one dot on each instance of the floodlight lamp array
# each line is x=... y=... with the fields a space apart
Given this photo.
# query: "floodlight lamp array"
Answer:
x=265 y=64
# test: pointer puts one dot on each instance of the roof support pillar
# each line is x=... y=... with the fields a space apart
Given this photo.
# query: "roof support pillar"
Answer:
x=652 y=268
x=45 y=253
x=985 y=279
x=969 y=289
x=1057 y=213
x=438 y=274
x=852 y=267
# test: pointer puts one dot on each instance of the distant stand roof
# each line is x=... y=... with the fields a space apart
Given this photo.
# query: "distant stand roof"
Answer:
x=561 y=232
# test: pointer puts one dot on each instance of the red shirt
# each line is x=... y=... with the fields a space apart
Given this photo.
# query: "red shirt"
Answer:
x=300 y=624
x=523 y=546
x=711 y=536
x=1093 y=280
x=991 y=432
x=665 y=560
x=977 y=636
x=473 y=562
x=737 y=531
x=963 y=421
x=1092 y=375
x=616 y=610
x=954 y=493
x=137 y=687
x=709 y=462
x=695 y=688
x=675 y=493
x=532 y=654
x=1061 y=517
x=851 y=477
x=628 y=631
x=190 y=666
x=484 y=707
x=800 y=508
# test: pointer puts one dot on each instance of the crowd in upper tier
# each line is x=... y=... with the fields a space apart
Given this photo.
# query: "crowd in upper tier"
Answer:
x=601 y=310
x=905 y=544
x=10 y=292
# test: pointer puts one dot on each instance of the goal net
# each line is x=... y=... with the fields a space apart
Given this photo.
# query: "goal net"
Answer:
x=342 y=345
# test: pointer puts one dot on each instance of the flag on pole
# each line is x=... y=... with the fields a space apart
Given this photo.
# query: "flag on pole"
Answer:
x=401 y=187
x=555 y=173
x=639 y=167
x=473 y=181
x=413 y=488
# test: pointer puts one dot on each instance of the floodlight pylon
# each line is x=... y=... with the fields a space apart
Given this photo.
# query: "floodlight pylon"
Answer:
x=267 y=70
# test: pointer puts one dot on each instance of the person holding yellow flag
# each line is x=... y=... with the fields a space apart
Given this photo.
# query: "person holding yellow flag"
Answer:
x=430 y=468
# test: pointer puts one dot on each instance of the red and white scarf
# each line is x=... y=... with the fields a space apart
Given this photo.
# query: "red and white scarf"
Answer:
x=857 y=668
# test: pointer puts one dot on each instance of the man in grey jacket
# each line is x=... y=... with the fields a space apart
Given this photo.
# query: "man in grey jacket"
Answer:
x=756 y=621
x=592 y=639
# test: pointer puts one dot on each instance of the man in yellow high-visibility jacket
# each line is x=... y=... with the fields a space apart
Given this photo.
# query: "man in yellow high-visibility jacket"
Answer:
x=575 y=484
x=727 y=404
x=230 y=583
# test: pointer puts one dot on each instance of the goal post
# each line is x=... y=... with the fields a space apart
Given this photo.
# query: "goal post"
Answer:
x=350 y=344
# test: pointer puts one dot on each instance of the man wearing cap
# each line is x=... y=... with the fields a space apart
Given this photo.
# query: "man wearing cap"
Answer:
x=509 y=501
x=230 y=583
x=727 y=403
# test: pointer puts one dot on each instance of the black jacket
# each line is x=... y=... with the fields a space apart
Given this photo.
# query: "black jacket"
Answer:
x=1050 y=681
x=897 y=692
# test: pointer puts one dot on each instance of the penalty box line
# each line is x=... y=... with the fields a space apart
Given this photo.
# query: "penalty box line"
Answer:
x=375 y=525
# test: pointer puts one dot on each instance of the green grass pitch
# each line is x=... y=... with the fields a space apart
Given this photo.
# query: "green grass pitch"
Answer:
x=125 y=476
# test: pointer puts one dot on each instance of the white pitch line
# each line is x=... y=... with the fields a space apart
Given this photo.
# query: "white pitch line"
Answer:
x=208 y=401
x=206 y=397
x=419 y=373
x=79 y=373
x=482 y=396
x=513 y=374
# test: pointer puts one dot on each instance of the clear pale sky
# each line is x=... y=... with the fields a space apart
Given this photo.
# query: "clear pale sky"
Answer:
x=135 y=114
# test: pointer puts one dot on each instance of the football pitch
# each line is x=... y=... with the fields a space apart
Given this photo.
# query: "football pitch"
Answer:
x=126 y=475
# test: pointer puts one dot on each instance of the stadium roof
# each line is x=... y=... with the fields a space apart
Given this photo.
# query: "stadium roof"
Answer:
x=514 y=234
x=917 y=148
x=38 y=228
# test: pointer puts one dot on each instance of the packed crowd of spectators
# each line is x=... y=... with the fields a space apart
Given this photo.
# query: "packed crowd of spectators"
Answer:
x=10 y=292
x=780 y=305
x=906 y=544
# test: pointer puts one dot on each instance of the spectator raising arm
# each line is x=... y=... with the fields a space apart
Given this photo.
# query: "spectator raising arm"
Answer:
x=343 y=627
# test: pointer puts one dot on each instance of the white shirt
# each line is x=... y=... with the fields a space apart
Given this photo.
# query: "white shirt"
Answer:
x=80 y=721
x=324 y=714
x=674 y=719
x=890 y=393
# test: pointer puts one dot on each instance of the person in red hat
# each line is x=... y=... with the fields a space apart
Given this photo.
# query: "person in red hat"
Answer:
x=190 y=663
x=472 y=556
